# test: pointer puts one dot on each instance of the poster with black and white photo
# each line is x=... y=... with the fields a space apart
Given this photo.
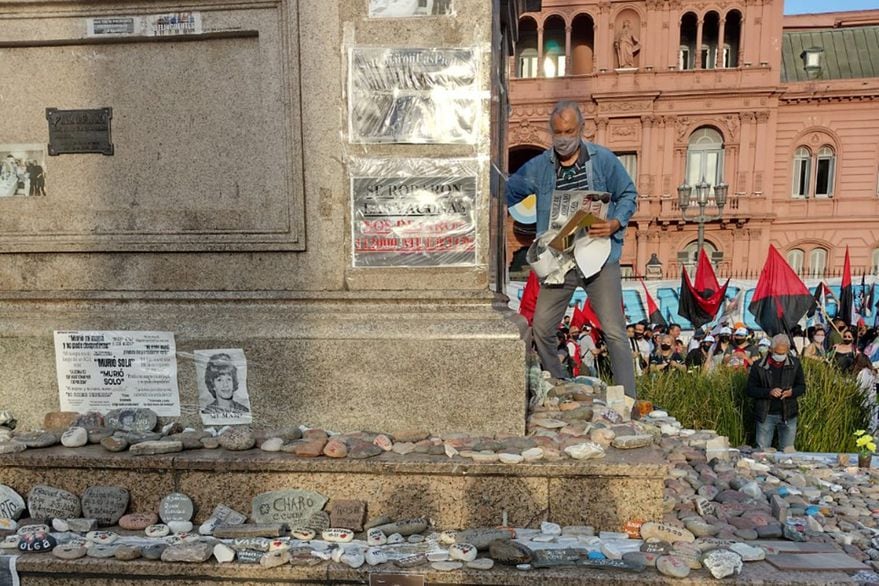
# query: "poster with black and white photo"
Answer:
x=415 y=96
x=414 y=213
x=22 y=170
x=105 y=370
x=222 y=386
x=409 y=8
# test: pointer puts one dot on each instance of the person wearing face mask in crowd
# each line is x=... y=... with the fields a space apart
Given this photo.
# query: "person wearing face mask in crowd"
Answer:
x=763 y=347
x=843 y=354
x=724 y=345
x=572 y=163
x=701 y=355
x=742 y=353
x=776 y=382
x=640 y=348
x=816 y=349
x=666 y=359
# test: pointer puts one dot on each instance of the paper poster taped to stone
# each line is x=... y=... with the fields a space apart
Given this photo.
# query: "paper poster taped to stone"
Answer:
x=154 y=25
x=22 y=170
x=105 y=370
x=222 y=387
x=413 y=95
x=409 y=8
x=427 y=220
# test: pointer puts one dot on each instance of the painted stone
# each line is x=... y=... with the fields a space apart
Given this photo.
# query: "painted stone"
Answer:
x=336 y=535
x=462 y=552
x=176 y=507
x=11 y=503
x=157 y=530
x=138 y=521
x=39 y=542
x=349 y=514
x=75 y=437
x=293 y=507
x=46 y=502
x=106 y=504
x=221 y=515
x=137 y=419
x=664 y=532
x=198 y=552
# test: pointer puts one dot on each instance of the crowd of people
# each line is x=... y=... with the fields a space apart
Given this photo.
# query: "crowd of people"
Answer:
x=775 y=375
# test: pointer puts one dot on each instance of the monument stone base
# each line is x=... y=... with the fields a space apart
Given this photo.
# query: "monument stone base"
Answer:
x=341 y=361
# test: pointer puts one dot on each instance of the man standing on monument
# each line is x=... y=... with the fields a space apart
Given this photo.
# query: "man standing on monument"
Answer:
x=575 y=164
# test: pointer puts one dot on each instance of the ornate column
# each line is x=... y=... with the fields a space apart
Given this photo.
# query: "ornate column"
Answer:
x=600 y=130
x=698 y=56
x=603 y=47
x=746 y=171
x=718 y=57
x=759 y=166
x=540 y=50
x=568 y=67
x=645 y=184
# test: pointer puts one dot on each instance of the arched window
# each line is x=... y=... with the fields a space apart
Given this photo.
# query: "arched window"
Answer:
x=817 y=262
x=705 y=157
x=795 y=258
x=554 y=47
x=710 y=35
x=802 y=172
x=687 y=45
x=824 y=171
x=582 y=44
x=689 y=256
x=526 y=49
x=732 y=38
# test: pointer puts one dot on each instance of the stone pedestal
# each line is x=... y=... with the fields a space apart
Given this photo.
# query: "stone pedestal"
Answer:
x=224 y=214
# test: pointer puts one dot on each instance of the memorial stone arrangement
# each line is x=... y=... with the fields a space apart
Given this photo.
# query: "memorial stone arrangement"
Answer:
x=723 y=508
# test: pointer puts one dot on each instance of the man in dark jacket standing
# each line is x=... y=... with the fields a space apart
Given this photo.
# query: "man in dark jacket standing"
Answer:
x=775 y=383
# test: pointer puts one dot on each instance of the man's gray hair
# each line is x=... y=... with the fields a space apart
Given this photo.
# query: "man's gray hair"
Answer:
x=781 y=339
x=564 y=106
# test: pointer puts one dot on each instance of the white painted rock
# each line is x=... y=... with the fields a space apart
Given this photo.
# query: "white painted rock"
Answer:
x=438 y=556
x=376 y=537
x=375 y=556
x=223 y=553
x=273 y=444
x=158 y=530
x=59 y=525
x=101 y=537
x=463 y=552
x=353 y=558
x=664 y=532
x=749 y=553
x=481 y=564
x=585 y=451
x=532 y=454
x=75 y=437
x=447 y=537
x=180 y=526
x=722 y=563
x=510 y=459
x=335 y=535
x=548 y=528
x=669 y=565
x=395 y=539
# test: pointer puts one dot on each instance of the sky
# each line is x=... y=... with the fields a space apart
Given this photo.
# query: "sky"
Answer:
x=810 y=6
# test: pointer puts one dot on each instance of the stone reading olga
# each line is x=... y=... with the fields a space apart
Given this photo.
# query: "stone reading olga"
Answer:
x=414 y=213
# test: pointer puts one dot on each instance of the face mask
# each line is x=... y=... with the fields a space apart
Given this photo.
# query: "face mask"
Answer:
x=739 y=340
x=665 y=346
x=847 y=341
x=819 y=339
x=565 y=146
x=706 y=347
x=639 y=335
x=763 y=350
x=778 y=357
x=724 y=338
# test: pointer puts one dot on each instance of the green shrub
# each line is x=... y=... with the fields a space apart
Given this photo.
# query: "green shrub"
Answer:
x=830 y=411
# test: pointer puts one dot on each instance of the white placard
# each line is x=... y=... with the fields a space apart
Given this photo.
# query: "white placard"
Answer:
x=171 y=24
x=105 y=370
x=222 y=386
x=409 y=8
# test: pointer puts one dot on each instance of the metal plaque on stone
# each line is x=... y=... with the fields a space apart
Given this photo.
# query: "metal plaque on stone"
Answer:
x=395 y=580
x=76 y=132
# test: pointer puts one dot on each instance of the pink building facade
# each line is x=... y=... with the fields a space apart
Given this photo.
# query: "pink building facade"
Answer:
x=784 y=111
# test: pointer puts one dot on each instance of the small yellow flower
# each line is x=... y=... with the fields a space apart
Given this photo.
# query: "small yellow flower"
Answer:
x=871 y=446
x=862 y=441
x=859 y=433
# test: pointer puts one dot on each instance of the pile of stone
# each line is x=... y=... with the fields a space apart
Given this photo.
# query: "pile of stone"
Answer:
x=577 y=420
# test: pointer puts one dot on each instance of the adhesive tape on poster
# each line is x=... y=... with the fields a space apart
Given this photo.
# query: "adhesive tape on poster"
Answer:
x=545 y=264
x=591 y=254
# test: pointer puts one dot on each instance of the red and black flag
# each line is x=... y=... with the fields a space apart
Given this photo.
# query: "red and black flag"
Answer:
x=654 y=316
x=780 y=299
x=699 y=304
x=818 y=309
x=846 y=308
x=529 y=297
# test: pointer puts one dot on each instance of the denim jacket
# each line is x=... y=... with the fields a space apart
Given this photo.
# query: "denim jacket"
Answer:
x=538 y=176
